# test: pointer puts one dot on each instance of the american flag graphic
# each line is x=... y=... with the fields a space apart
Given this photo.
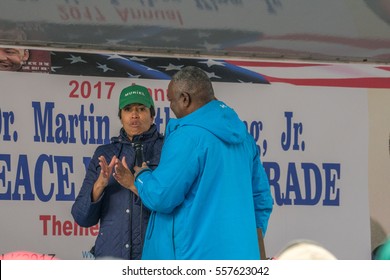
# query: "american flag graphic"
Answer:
x=321 y=74
x=162 y=68
x=219 y=70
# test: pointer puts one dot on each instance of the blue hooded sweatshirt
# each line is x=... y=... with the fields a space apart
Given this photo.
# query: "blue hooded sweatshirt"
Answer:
x=210 y=191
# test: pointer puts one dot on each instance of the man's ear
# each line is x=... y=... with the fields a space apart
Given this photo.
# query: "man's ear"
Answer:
x=186 y=99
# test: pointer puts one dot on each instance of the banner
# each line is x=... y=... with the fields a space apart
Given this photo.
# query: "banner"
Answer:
x=337 y=30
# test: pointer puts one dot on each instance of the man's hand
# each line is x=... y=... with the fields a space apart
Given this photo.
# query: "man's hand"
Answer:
x=123 y=174
x=138 y=169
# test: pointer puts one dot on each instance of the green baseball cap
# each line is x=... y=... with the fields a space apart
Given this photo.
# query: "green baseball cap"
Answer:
x=135 y=94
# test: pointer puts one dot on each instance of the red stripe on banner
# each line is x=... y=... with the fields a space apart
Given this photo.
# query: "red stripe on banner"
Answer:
x=386 y=68
x=378 y=82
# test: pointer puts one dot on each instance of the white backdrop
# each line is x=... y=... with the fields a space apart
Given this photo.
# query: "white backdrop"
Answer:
x=313 y=139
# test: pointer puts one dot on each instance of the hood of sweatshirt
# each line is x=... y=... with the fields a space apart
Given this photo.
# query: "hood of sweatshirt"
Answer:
x=216 y=117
